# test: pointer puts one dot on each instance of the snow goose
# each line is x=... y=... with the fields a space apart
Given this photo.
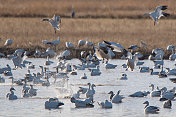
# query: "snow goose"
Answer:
x=150 y=109
x=144 y=69
x=88 y=43
x=55 y=22
x=110 y=66
x=95 y=72
x=154 y=93
x=133 y=48
x=2 y=80
x=123 y=77
x=48 y=62
x=89 y=92
x=124 y=65
x=64 y=54
x=158 y=13
x=80 y=103
x=116 y=98
x=170 y=71
x=171 y=48
x=11 y=95
x=105 y=104
x=166 y=95
x=84 y=77
x=53 y=103
x=102 y=53
x=167 y=104
x=131 y=61
x=81 y=43
x=26 y=94
x=73 y=72
x=50 y=52
x=139 y=94
x=8 y=42
x=116 y=47
x=32 y=91
x=153 y=73
x=69 y=45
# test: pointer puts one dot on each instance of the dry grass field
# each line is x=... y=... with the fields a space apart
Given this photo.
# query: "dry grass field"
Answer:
x=83 y=8
x=120 y=21
x=29 y=32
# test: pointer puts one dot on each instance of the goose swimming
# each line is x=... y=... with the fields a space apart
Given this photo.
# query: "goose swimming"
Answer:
x=53 y=103
x=84 y=77
x=55 y=22
x=139 y=94
x=105 y=104
x=150 y=109
x=157 y=14
x=11 y=95
x=154 y=93
x=123 y=77
x=116 y=98
x=80 y=103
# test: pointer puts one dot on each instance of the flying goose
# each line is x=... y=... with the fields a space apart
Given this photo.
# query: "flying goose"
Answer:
x=55 y=22
x=158 y=13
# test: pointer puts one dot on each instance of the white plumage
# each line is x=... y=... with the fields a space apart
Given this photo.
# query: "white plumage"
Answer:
x=158 y=13
x=55 y=22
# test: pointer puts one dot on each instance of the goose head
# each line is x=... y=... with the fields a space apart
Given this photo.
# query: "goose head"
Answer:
x=152 y=85
x=12 y=89
x=147 y=103
x=73 y=100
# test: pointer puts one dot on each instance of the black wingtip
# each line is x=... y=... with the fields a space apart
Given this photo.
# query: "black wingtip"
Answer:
x=164 y=7
x=107 y=42
x=166 y=14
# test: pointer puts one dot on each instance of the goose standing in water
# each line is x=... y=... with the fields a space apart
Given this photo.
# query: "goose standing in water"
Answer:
x=157 y=14
x=11 y=95
x=116 y=98
x=150 y=109
x=105 y=104
x=53 y=103
x=90 y=92
x=55 y=22
x=131 y=61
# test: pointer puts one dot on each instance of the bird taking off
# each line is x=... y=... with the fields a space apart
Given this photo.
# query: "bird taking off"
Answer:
x=156 y=15
x=55 y=22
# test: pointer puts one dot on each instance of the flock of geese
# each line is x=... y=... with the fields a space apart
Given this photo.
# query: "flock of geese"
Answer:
x=91 y=61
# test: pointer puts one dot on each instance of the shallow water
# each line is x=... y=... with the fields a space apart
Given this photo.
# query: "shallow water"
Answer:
x=106 y=82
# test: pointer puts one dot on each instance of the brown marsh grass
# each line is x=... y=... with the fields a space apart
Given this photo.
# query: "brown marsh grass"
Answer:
x=83 y=8
x=29 y=32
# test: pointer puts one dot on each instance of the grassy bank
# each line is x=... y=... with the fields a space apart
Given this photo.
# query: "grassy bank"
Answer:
x=28 y=33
